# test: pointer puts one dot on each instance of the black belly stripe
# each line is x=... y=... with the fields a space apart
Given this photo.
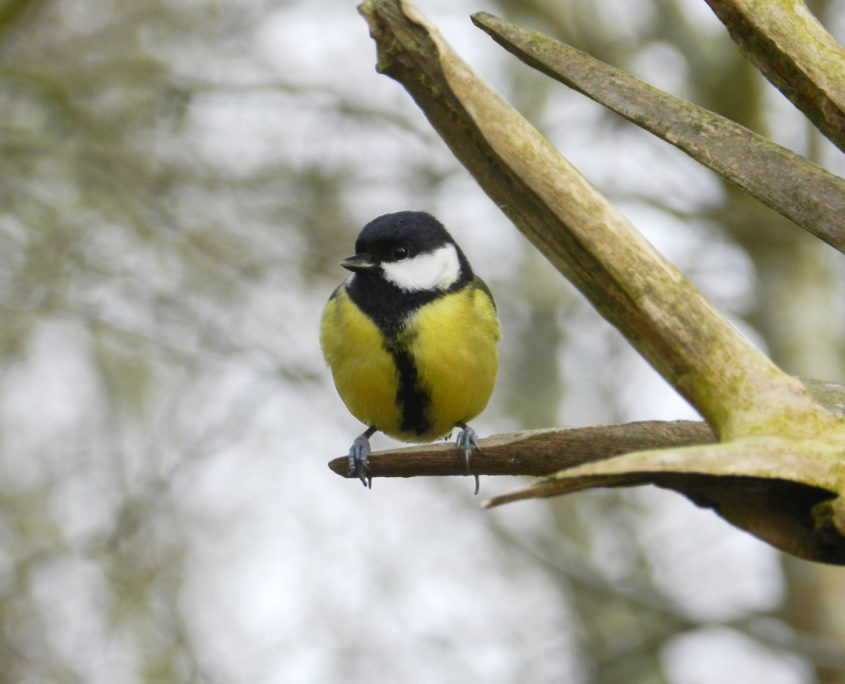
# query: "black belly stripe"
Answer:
x=390 y=308
x=411 y=398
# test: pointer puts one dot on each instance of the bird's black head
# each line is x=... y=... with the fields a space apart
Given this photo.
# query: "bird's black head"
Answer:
x=403 y=235
x=410 y=249
x=401 y=262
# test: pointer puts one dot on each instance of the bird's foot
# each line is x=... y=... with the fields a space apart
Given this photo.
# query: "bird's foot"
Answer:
x=467 y=441
x=358 y=459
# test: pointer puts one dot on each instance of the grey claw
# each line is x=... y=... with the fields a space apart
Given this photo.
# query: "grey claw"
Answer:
x=358 y=466
x=468 y=440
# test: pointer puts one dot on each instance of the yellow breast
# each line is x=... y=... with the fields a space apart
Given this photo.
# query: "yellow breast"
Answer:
x=452 y=342
x=363 y=371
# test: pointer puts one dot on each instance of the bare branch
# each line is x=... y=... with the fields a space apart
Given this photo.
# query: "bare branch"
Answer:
x=771 y=486
x=534 y=452
x=790 y=184
x=540 y=452
x=777 y=471
x=734 y=386
x=793 y=50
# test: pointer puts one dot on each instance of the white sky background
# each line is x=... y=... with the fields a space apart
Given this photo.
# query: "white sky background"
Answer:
x=292 y=574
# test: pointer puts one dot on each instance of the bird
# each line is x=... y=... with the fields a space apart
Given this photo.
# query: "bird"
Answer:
x=411 y=337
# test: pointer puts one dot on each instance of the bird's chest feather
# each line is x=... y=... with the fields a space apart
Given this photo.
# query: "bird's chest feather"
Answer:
x=417 y=379
x=453 y=341
x=364 y=371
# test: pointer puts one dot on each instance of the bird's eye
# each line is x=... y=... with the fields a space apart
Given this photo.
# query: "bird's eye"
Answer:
x=400 y=253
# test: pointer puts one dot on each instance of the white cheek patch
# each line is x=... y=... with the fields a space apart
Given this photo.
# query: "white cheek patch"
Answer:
x=435 y=270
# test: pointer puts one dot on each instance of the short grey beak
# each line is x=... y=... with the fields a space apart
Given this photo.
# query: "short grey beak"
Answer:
x=359 y=262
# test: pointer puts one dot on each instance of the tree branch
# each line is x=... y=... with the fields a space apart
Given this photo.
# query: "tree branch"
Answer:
x=777 y=470
x=533 y=452
x=734 y=386
x=767 y=486
x=790 y=184
x=540 y=452
x=793 y=50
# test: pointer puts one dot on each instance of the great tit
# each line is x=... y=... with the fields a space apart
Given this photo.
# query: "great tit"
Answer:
x=411 y=336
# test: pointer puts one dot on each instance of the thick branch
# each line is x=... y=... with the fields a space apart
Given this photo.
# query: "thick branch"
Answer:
x=540 y=452
x=777 y=470
x=781 y=489
x=802 y=191
x=534 y=452
x=793 y=50
x=734 y=386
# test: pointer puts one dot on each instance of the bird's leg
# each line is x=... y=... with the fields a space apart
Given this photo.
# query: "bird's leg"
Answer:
x=358 y=453
x=468 y=440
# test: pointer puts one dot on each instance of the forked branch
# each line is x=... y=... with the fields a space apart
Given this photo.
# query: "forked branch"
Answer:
x=776 y=470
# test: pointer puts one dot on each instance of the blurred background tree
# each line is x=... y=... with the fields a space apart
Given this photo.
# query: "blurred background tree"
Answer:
x=177 y=183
